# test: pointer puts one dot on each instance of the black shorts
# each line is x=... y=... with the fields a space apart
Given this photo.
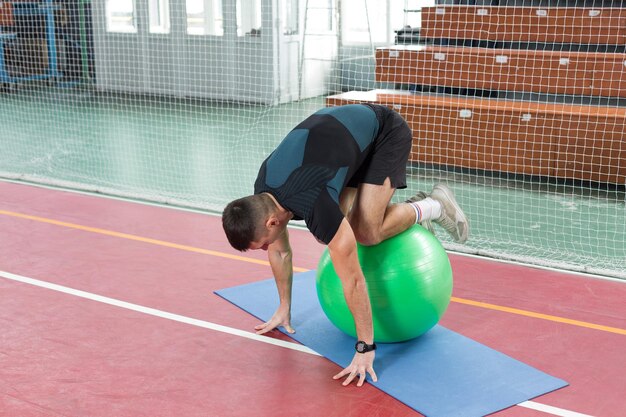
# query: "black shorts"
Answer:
x=390 y=153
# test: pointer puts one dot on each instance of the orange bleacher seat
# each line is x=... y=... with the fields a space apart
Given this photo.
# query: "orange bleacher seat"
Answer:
x=553 y=72
x=582 y=25
x=6 y=13
x=556 y=140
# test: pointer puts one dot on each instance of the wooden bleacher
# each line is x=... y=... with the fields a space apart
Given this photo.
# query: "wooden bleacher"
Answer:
x=567 y=141
x=580 y=25
x=550 y=72
x=530 y=138
x=6 y=14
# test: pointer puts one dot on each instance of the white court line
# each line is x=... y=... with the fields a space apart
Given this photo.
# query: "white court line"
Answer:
x=224 y=329
x=157 y=313
x=551 y=410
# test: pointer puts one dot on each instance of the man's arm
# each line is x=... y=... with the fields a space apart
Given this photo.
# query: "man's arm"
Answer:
x=343 y=252
x=280 y=258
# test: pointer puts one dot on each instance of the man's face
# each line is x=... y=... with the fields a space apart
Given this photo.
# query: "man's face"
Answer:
x=271 y=234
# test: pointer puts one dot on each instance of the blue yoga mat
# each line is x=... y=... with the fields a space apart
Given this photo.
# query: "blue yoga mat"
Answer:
x=439 y=374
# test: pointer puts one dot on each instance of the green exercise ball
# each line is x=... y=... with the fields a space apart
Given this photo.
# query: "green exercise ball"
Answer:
x=409 y=280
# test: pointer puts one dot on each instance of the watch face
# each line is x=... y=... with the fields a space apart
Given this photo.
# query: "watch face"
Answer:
x=362 y=347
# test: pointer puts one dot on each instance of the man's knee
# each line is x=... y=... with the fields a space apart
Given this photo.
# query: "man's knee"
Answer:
x=364 y=232
x=368 y=236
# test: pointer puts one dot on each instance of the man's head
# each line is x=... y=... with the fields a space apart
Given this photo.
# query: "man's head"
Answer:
x=250 y=222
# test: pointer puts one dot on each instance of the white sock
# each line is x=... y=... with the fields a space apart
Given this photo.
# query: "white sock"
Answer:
x=426 y=209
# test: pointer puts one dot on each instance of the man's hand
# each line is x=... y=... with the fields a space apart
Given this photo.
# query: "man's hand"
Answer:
x=343 y=252
x=362 y=363
x=282 y=317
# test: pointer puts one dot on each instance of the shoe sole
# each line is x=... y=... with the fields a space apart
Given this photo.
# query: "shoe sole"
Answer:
x=459 y=213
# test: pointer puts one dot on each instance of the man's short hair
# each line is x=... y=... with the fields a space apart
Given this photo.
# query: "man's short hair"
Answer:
x=242 y=219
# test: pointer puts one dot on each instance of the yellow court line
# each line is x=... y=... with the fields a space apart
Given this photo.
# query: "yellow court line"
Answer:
x=141 y=239
x=539 y=315
x=297 y=269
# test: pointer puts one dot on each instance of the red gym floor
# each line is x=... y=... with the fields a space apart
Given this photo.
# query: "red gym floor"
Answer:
x=66 y=352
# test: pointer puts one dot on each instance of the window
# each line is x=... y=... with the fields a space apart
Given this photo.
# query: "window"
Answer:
x=159 y=11
x=379 y=19
x=412 y=16
x=205 y=17
x=364 y=20
x=120 y=16
x=289 y=17
x=319 y=16
x=249 y=18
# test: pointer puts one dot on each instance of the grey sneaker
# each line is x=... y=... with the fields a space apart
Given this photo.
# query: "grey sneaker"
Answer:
x=427 y=224
x=452 y=218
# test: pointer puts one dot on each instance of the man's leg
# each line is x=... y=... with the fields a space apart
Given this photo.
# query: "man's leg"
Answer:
x=419 y=196
x=346 y=199
x=373 y=219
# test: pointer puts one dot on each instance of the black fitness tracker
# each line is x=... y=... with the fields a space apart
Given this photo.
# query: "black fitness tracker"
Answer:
x=363 y=347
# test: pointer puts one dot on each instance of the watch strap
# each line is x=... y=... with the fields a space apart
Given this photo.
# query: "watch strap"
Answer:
x=362 y=347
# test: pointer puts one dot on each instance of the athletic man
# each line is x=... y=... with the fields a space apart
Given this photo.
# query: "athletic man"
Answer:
x=337 y=170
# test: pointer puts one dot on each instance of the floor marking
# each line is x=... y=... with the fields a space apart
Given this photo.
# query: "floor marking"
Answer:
x=551 y=410
x=217 y=327
x=299 y=269
x=539 y=316
x=157 y=313
x=140 y=239
x=527 y=404
x=181 y=206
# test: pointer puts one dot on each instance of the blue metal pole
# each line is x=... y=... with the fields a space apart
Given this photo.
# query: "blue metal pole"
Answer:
x=51 y=35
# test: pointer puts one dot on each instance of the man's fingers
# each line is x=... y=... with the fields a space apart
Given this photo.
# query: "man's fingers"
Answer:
x=349 y=379
x=351 y=375
x=361 y=379
x=373 y=374
x=266 y=327
x=341 y=374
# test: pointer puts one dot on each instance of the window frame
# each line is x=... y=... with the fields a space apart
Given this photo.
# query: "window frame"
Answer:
x=257 y=16
x=217 y=24
x=162 y=7
x=130 y=28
